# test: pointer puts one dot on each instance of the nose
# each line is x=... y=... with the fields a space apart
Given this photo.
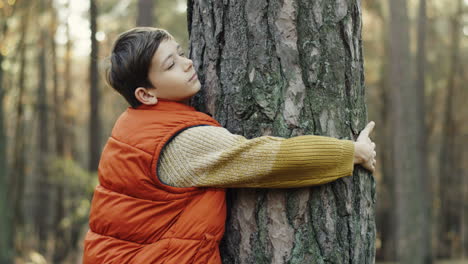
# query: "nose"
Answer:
x=189 y=64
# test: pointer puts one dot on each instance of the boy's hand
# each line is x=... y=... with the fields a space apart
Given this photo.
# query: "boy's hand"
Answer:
x=364 y=149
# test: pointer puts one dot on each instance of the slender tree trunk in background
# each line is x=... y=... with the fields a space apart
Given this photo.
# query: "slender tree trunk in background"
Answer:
x=67 y=244
x=386 y=207
x=288 y=68
x=60 y=243
x=450 y=191
x=408 y=161
x=464 y=197
x=386 y=216
x=145 y=13
x=6 y=246
x=94 y=125
x=463 y=166
x=58 y=98
x=419 y=104
x=41 y=207
x=69 y=138
x=18 y=173
x=6 y=243
x=433 y=121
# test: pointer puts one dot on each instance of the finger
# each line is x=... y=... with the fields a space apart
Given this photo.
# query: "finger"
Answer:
x=373 y=144
x=368 y=129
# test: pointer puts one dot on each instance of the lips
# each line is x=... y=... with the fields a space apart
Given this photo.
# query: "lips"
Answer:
x=194 y=76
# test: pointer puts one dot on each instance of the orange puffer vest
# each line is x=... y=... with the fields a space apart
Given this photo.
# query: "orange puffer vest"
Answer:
x=135 y=218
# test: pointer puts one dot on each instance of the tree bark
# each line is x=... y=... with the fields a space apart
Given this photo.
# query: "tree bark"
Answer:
x=408 y=147
x=145 y=13
x=288 y=68
x=94 y=96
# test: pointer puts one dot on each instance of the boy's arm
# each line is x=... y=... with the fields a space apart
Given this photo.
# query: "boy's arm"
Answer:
x=212 y=156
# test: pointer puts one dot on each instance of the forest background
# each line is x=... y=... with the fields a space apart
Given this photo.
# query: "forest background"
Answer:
x=50 y=140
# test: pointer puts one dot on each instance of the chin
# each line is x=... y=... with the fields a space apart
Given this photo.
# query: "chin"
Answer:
x=196 y=89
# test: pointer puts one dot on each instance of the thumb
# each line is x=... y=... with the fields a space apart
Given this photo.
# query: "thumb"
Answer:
x=369 y=128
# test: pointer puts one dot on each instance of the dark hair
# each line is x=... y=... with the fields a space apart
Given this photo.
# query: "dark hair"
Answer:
x=130 y=60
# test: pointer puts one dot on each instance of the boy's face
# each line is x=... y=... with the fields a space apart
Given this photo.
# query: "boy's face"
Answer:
x=172 y=74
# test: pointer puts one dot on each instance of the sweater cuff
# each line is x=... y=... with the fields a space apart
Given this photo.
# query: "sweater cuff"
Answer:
x=346 y=165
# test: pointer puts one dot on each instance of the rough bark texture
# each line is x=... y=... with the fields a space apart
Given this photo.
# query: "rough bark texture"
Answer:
x=288 y=68
x=408 y=148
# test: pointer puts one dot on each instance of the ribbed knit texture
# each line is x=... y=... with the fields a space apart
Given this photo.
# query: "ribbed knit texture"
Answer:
x=212 y=156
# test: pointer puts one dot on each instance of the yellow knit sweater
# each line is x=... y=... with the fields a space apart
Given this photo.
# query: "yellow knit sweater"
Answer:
x=212 y=156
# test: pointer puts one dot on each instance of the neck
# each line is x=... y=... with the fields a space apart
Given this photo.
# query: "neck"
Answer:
x=185 y=102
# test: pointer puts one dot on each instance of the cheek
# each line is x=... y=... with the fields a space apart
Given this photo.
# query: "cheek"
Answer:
x=177 y=79
x=163 y=80
x=154 y=78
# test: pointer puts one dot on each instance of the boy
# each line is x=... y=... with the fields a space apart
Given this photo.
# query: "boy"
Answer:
x=160 y=197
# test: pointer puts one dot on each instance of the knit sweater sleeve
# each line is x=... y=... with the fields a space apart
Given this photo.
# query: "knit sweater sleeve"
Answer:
x=211 y=156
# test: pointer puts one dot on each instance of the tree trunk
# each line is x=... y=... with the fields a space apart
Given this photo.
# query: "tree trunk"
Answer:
x=63 y=243
x=408 y=147
x=450 y=191
x=7 y=224
x=6 y=245
x=41 y=207
x=94 y=125
x=419 y=104
x=59 y=233
x=463 y=165
x=385 y=209
x=69 y=138
x=145 y=13
x=57 y=94
x=18 y=172
x=288 y=68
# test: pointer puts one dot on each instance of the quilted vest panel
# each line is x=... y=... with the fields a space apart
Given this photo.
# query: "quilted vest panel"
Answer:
x=134 y=217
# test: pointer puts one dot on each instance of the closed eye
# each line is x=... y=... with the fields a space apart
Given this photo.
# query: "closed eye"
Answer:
x=180 y=54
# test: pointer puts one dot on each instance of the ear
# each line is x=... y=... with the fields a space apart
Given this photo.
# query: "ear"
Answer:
x=146 y=96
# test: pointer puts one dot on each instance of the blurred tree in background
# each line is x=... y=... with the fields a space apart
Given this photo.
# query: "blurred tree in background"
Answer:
x=51 y=137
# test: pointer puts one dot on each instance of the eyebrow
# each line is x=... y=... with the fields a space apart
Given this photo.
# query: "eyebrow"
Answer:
x=164 y=61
